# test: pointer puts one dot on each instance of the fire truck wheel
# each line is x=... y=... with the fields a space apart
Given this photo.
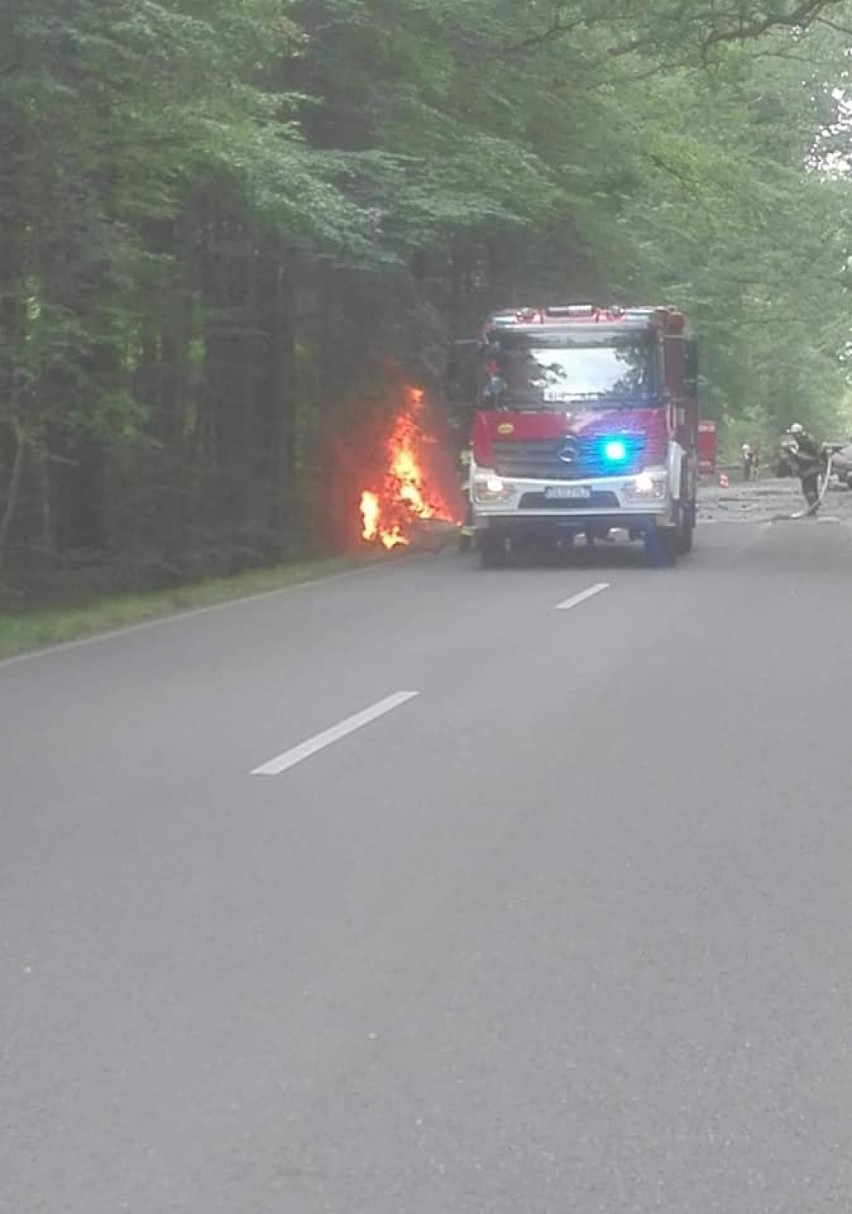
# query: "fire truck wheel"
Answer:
x=661 y=545
x=686 y=530
x=493 y=552
x=671 y=544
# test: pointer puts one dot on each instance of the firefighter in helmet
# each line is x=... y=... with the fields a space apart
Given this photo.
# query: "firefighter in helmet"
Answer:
x=808 y=458
x=466 y=532
x=749 y=458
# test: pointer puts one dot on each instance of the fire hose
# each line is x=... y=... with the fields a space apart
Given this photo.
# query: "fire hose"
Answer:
x=826 y=477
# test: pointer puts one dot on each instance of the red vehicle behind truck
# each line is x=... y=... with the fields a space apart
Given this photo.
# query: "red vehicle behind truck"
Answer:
x=706 y=447
x=586 y=421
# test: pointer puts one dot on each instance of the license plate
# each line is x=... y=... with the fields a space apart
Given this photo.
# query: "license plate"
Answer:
x=568 y=491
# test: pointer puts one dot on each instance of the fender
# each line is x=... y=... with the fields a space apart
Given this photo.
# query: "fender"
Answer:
x=674 y=464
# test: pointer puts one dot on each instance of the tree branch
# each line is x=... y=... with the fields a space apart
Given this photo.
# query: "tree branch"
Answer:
x=803 y=15
x=834 y=25
x=731 y=26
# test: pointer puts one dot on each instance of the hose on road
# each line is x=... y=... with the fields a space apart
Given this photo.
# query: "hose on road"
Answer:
x=825 y=479
x=811 y=510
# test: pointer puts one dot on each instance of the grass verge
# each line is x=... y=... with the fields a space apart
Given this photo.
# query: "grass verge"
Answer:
x=33 y=630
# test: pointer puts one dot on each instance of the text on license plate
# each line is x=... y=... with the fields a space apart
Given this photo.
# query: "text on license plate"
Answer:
x=572 y=491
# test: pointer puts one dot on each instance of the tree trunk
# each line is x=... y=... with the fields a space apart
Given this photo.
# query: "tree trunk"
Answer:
x=78 y=490
x=230 y=349
x=276 y=391
x=14 y=491
x=44 y=493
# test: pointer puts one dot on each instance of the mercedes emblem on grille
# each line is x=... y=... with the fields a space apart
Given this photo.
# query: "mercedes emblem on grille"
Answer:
x=568 y=451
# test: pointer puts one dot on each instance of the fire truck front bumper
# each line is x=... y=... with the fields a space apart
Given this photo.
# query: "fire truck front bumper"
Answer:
x=517 y=505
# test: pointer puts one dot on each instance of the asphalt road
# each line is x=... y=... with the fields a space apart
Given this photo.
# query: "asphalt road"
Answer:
x=568 y=931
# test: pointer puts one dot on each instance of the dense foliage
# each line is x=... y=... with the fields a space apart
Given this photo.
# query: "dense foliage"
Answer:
x=222 y=221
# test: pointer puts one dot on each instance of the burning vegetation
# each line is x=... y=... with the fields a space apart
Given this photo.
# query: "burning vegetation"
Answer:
x=409 y=494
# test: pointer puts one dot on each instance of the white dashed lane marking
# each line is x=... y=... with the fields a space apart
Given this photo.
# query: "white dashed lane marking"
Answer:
x=289 y=758
x=577 y=599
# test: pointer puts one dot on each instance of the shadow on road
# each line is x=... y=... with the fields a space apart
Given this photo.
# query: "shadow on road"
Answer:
x=602 y=556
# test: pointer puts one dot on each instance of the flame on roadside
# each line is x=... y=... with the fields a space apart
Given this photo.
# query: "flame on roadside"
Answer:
x=406 y=494
x=371 y=513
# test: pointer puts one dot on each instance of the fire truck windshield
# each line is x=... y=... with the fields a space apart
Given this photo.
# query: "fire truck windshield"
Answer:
x=547 y=369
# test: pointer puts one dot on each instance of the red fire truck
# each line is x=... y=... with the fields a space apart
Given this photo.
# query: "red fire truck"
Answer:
x=586 y=421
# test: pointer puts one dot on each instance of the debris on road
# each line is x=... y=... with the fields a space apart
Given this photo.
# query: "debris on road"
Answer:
x=764 y=501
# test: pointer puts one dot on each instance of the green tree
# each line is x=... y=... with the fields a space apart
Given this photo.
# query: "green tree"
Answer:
x=222 y=219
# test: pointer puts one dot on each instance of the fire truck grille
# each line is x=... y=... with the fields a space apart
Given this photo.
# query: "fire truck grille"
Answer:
x=563 y=459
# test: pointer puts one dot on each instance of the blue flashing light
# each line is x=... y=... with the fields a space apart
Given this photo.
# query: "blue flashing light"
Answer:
x=615 y=451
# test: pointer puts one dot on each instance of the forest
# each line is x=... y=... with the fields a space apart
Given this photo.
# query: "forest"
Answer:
x=233 y=234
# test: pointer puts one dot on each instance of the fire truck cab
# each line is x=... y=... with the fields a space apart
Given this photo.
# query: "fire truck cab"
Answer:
x=586 y=420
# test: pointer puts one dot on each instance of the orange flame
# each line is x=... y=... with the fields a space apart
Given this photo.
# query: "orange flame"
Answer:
x=405 y=496
x=370 y=513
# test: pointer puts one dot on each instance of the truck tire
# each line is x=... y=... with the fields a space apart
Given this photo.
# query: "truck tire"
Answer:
x=671 y=544
x=493 y=552
x=662 y=545
x=686 y=530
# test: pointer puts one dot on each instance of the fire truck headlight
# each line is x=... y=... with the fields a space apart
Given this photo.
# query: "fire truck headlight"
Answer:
x=646 y=486
x=489 y=487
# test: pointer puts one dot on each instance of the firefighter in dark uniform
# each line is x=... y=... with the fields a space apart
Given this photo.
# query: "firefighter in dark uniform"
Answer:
x=809 y=459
